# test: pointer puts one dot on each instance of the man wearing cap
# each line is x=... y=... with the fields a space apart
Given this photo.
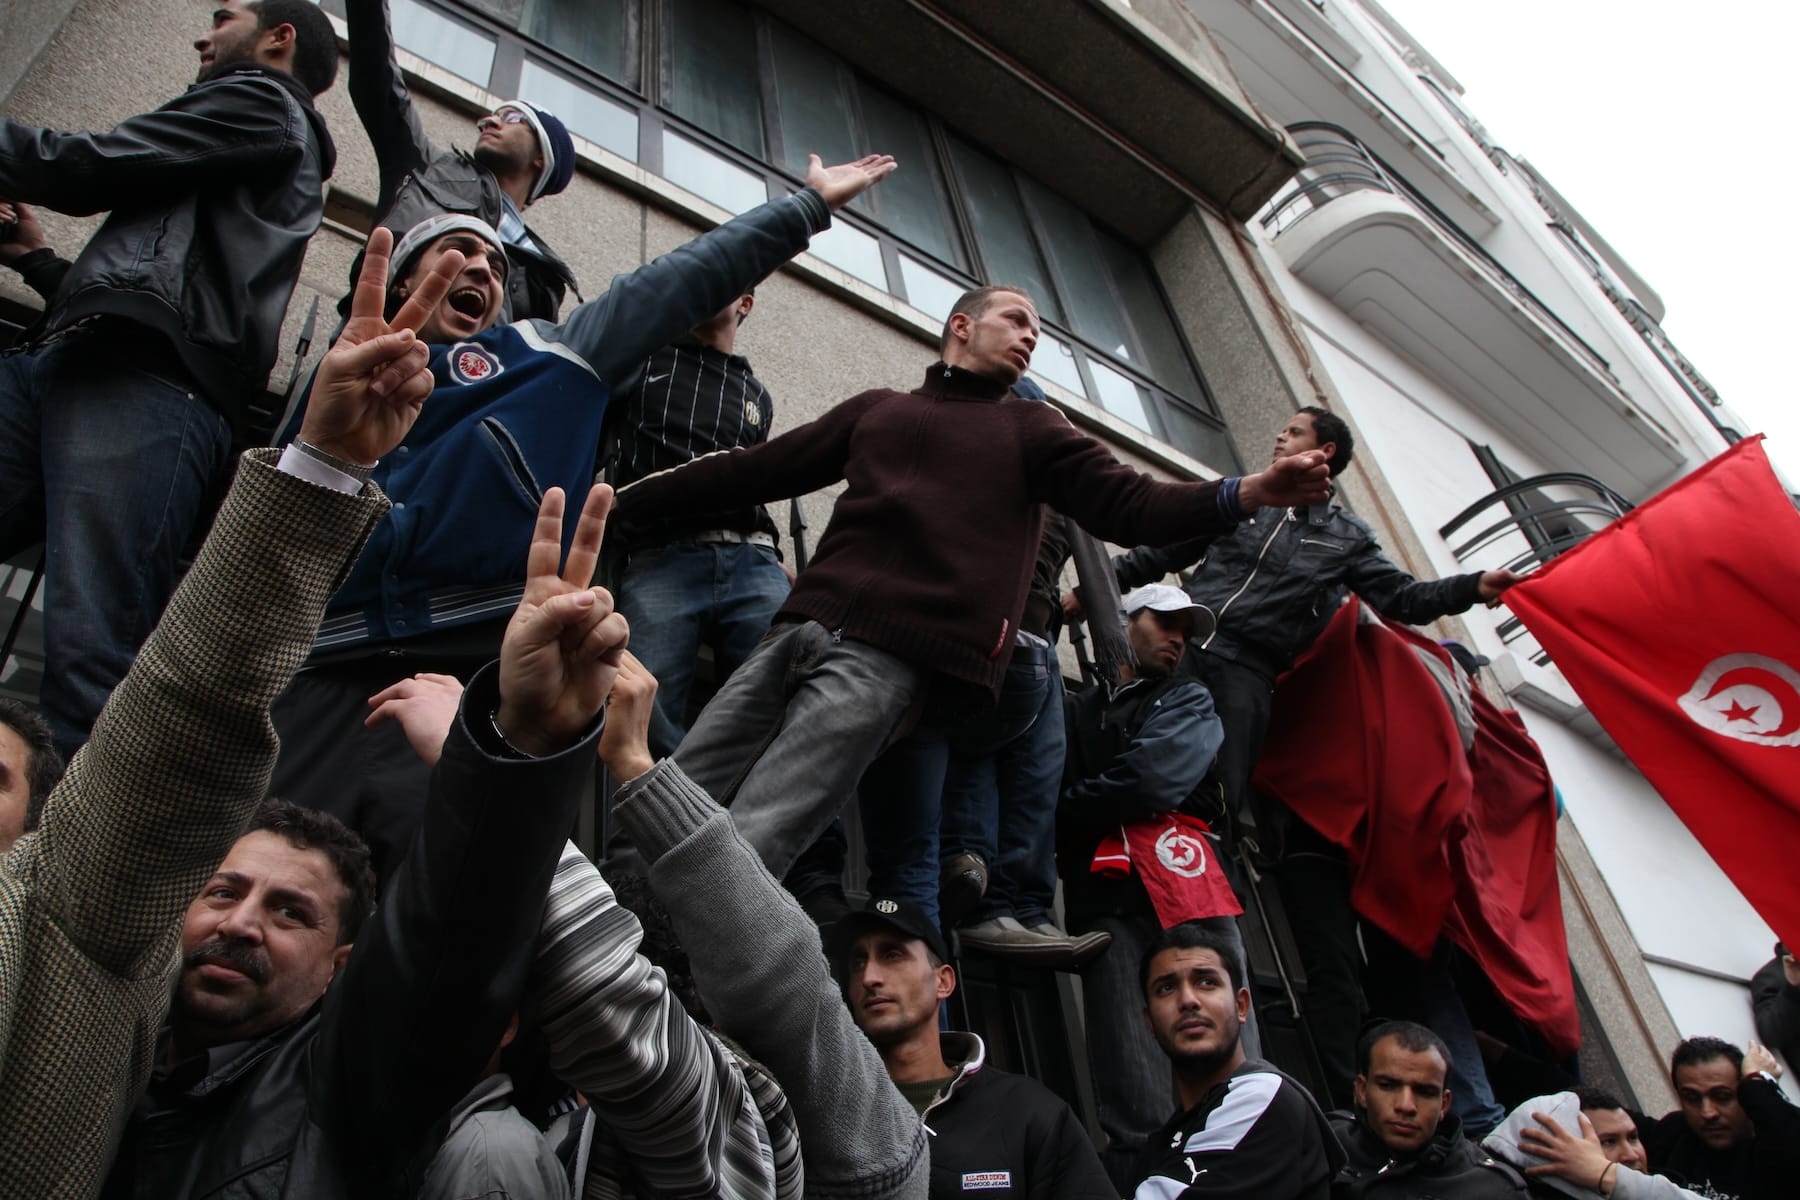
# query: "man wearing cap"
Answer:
x=1138 y=753
x=522 y=153
x=518 y=409
x=989 y=1131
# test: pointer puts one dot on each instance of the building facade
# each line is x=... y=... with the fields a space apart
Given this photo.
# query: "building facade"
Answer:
x=1226 y=209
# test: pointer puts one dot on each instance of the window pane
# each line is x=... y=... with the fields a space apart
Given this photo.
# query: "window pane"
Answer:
x=1192 y=435
x=706 y=174
x=436 y=38
x=592 y=116
x=910 y=202
x=1069 y=238
x=1000 y=228
x=712 y=69
x=815 y=117
x=1053 y=360
x=1168 y=363
x=851 y=250
x=1119 y=395
x=926 y=290
x=592 y=32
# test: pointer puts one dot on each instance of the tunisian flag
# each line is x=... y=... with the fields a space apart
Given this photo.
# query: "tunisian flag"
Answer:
x=1679 y=627
x=1362 y=746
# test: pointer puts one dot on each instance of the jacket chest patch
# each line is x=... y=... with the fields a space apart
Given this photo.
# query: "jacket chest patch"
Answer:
x=470 y=363
x=985 y=1181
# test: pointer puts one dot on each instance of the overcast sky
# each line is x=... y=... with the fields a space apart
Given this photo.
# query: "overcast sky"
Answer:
x=1670 y=127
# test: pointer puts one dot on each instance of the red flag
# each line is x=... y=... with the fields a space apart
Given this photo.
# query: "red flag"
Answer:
x=1508 y=908
x=1676 y=625
x=1363 y=748
x=1174 y=860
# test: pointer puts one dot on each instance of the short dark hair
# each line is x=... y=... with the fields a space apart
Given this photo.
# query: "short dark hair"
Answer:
x=1697 y=1050
x=1595 y=1099
x=1192 y=935
x=1329 y=427
x=1410 y=1034
x=315 y=41
x=44 y=767
x=310 y=829
x=974 y=302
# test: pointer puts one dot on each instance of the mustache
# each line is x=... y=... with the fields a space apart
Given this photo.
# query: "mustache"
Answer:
x=241 y=957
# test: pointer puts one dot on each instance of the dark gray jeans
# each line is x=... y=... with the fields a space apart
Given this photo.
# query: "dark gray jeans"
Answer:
x=784 y=743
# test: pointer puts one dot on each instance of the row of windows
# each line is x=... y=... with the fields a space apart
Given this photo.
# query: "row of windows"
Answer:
x=726 y=102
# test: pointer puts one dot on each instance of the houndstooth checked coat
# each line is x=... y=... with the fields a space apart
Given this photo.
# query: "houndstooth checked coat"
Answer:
x=91 y=904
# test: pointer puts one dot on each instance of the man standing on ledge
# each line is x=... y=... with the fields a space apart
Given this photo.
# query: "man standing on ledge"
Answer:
x=905 y=617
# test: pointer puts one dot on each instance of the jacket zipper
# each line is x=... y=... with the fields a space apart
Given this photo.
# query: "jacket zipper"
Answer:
x=1248 y=579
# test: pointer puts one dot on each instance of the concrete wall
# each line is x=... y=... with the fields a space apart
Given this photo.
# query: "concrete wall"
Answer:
x=26 y=27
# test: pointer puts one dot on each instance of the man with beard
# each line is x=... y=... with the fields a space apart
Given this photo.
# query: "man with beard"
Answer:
x=991 y=1131
x=157 y=337
x=1245 y=1128
x=522 y=153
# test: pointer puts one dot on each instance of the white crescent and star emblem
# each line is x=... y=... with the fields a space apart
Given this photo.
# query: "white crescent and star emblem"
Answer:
x=1182 y=853
x=1749 y=698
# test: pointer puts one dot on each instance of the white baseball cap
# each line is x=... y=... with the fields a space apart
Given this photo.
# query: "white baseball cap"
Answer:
x=1167 y=598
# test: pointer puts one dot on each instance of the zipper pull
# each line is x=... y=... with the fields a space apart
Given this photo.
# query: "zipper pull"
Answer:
x=837 y=635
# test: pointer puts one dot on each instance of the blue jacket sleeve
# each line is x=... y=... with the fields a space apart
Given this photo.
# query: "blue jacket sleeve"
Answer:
x=663 y=299
x=439 y=969
x=1162 y=765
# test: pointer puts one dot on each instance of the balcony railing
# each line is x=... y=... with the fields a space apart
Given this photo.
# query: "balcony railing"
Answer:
x=1338 y=165
x=1552 y=513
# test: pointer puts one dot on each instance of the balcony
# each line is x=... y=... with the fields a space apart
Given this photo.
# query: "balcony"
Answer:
x=1384 y=254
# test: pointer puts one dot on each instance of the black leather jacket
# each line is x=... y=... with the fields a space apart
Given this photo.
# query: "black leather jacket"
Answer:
x=1275 y=580
x=354 y=1098
x=419 y=181
x=213 y=198
x=1447 y=1166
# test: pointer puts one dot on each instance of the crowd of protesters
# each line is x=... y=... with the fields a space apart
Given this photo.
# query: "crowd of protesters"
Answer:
x=300 y=918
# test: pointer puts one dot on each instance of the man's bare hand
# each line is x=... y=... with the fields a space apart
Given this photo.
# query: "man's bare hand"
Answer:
x=1790 y=966
x=1494 y=582
x=564 y=643
x=625 y=742
x=425 y=708
x=1580 y=1160
x=372 y=383
x=1291 y=482
x=1757 y=1057
x=1071 y=606
x=846 y=181
x=27 y=237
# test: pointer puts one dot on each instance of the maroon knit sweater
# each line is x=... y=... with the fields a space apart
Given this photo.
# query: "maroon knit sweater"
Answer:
x=929 y=552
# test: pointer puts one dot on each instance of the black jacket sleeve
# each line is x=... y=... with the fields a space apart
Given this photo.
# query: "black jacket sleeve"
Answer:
x=232 y=126
x=1064 y=1165
x=1777 y=1004
x=1164 y=763
x=1395 y=594
x=1147 y=564
x=382 y=102
x=439 y=969
x=42 y=271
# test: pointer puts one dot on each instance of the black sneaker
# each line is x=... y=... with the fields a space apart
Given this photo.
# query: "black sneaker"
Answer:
x=961 y=886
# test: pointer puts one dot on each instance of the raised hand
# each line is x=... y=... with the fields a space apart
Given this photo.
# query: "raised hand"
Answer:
x=1580 y=1160
x=625 y=743
x=564 y=643
x=1290 y=482
x=373 y=381
x=846 y=181
x=26 y=237
x=424 y=707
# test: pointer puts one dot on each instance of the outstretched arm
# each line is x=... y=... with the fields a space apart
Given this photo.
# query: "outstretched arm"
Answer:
x=663 y=299
x=430 y=986
x=382 y=102
x=758 y=964
x=220 y=131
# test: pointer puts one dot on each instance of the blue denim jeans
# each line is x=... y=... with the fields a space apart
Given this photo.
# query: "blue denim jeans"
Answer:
x=685 y=595
x=110 y=466
x=788 y=736
x=1003 y=805
x=902 y=793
